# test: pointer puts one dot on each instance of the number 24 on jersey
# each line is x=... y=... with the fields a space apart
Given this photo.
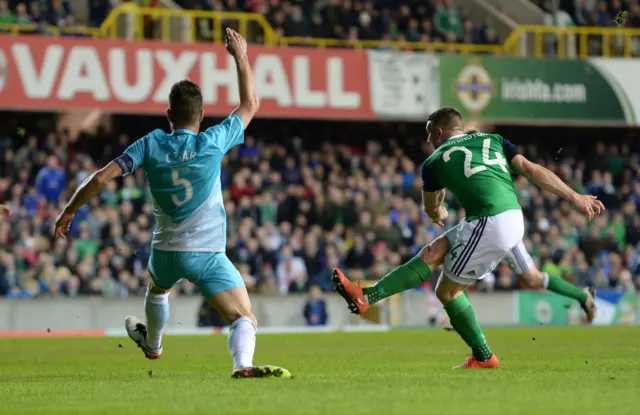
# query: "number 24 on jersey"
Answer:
x=468 y=157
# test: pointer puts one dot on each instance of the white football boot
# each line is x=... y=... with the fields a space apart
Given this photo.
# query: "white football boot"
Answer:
x=137 y=332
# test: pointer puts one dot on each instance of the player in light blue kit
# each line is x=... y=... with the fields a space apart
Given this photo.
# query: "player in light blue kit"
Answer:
x=183 y=172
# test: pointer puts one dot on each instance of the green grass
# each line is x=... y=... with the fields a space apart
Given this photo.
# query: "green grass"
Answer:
x=563 y=371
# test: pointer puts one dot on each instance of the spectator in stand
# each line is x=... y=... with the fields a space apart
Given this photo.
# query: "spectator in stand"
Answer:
x=51 y=180
x=315 y=310
x=469 y=33
x=359 y=259
x=291 y=272
x=602 y=15
x=6 y=17
x=295 y=24
x=57 y=13
x=401 y=20
x=256 y=6
x=491 y=37
x=22 y=15
x=447 y=18
x=583 y=12
x=317 y=27
x=555 y=16
x=615 y=8
x=35 y=12
x=98 y=11
x=277 y=20
x=634 y=16
x=297 y=208
x=72 y=28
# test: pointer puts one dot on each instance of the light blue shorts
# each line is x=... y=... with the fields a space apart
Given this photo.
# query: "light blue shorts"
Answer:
x=211 y=272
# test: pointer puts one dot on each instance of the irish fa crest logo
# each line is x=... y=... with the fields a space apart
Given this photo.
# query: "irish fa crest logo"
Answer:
x=474 y=87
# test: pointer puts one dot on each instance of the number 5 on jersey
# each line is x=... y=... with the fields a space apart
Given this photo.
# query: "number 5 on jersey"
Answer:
x=178 y=181
x=468 y=157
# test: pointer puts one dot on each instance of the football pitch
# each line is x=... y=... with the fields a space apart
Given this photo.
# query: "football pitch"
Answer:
x=544 y=371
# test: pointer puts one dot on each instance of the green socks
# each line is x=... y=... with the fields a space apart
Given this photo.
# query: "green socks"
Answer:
x=560 y=286
x=463 y=319
x=403 y=278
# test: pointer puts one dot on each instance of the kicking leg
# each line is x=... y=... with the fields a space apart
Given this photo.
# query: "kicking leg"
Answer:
x=463 y=319
x=403 y=278
x=521 y=263
x=585 y=296
x=149 y=336
x=519 y=260
x=235 y=307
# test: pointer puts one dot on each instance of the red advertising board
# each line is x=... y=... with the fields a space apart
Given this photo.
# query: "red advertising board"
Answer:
x=54 y=74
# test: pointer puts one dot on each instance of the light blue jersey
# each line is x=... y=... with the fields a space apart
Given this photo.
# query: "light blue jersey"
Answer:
x=183 y=173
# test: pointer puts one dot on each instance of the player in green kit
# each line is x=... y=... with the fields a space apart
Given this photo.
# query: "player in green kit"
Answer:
x=521 y=263
x=476 y=168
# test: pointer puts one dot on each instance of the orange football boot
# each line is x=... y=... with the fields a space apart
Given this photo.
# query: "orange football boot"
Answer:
x=473 y=363
x=352 y=293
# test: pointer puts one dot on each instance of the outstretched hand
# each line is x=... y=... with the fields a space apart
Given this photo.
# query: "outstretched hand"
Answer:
x=63 y=224
x=589 y=205
x=236 y=44
x=4 y=210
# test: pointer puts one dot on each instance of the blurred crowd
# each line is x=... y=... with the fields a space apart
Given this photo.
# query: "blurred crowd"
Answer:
x=41 y=16
x=604 y=253
x=590 y=12
x=433 y=21
x=296 y=210
x=393 y=20
x=599 y=13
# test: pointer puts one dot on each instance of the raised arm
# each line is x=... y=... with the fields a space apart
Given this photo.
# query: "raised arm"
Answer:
x=547 y=180
x=249 y=100
x=87 y=190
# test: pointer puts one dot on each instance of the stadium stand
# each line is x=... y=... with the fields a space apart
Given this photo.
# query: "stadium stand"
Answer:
x=405 y=20
x=586 y=27
x=592 y=12
x=44 y=18
x=296 y=209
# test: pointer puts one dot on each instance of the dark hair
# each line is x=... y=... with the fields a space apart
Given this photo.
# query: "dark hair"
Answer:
x=445 y=117
x=185 y=103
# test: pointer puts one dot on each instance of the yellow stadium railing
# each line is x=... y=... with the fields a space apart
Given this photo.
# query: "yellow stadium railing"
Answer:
x=269 y=36
x=527 y=40
x=241 y=21
x=381 y=44
x=17 y=29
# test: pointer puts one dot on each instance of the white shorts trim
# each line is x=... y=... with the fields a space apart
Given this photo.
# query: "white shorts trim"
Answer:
x=477 y=247
x=518 y=259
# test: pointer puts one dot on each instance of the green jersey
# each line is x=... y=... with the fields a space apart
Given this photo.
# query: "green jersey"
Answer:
x=476 y=169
